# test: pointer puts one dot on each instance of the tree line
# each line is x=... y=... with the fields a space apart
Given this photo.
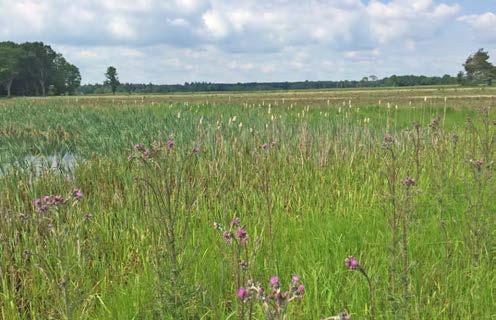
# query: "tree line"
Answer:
x=477 y=70
x=35 y=69
x=393 y=81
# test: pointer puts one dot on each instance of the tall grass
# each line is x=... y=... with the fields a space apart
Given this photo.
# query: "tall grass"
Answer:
x=312 y=185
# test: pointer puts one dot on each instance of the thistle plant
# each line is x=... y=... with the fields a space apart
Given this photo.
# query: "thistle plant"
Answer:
x=274 y=301
x=169 y=193
x=400 y=202
x=351 y=263
x=241 y=255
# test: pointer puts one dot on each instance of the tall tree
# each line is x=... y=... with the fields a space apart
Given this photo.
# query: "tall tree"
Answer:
x=478 y=68
x=10 y=64
x=40 y=62
x=112 y=78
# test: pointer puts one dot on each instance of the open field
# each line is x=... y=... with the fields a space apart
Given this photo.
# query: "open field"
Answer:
x=401 y=179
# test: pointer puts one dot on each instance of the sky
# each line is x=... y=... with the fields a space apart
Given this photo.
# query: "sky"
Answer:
x=177 y=41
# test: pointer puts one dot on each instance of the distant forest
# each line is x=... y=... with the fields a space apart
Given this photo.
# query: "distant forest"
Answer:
x=370 y=82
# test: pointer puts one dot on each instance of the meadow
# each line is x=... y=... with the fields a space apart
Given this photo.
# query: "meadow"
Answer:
x=185 y=206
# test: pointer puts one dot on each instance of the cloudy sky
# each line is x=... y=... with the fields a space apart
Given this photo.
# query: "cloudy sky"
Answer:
x=173 y=41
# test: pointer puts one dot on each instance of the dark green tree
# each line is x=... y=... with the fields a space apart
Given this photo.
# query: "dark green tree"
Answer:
x=10 y=64
x=479 y=69
x=39 y=63
x=112 y=78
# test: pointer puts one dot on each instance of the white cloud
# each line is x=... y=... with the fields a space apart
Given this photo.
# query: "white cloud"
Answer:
x=363 y=55
x=483 y=25
x=216 y=23
x=398 y=19
x=121 y=28
x=225 y=40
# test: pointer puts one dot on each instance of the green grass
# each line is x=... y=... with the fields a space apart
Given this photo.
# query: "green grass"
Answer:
x=326 y=181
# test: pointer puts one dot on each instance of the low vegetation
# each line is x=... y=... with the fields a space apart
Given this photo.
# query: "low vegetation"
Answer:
x=370 y=205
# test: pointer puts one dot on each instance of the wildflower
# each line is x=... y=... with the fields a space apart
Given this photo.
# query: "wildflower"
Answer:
x=170 y=144
x=242 y=293
x=241 y=234
x=235 y=221
x=301 y=289
x=77 y=194
x=408 y=182
x=351 y=263
x=295 y=278
x=37 y=202
x=274 y=281
x=226 y=235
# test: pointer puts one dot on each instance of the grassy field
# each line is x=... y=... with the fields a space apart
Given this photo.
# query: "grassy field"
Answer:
x=143 y=193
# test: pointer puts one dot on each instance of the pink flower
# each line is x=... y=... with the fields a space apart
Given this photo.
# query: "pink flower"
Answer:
x=295 y=278
x=274 y=281
x=241 y=234
x=235 y=222
x=227 y=237
x=77 y=194
x=301 y=289
x=351 y=263
x=242 y=293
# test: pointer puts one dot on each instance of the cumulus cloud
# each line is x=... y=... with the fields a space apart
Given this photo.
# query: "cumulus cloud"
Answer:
x=484 y=24
x=246 y=40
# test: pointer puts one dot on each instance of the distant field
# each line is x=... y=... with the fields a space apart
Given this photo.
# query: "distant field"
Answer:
x=417 y=96
x=402 y=179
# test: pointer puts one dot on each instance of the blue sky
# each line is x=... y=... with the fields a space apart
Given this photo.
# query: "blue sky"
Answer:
x=253 y=40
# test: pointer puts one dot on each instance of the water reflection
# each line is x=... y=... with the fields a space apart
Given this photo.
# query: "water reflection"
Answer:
x=36 y=165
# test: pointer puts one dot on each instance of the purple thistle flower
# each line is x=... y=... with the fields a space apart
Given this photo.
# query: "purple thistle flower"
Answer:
x=56 y=200
x=241 y=234
x=295 y=278
x=301 y=289
x=37 y=202
x=274 y=281
x=235 y=221
x=170 y=144
x=351 y=263
x=226 y=235
x=77 y=194
x=242 y=293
